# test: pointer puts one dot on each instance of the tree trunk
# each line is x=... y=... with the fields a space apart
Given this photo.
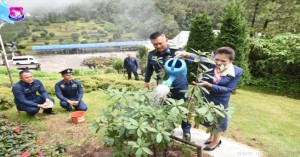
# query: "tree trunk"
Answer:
x=254 y=16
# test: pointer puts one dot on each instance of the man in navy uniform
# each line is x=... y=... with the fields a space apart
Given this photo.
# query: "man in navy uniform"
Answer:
x=70 y=92
x=131 y=66
x=163 y=51
x=26 y=97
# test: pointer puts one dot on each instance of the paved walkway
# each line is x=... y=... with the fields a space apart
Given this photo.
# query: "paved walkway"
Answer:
x=228 y=148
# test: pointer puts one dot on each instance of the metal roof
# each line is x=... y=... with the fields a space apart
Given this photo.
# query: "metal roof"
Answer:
x=92 y=45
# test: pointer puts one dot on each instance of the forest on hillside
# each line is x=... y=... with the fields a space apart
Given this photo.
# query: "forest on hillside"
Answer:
x=171 y=16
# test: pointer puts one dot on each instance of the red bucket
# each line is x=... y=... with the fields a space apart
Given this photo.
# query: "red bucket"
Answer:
x=77 y=116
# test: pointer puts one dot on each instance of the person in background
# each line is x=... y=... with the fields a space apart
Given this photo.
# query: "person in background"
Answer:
x=30 y=95
x=225 y=79
x=164 y=51
x=131 y=66
x=70 y=92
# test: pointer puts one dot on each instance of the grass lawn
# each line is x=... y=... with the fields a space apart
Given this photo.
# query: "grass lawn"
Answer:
x=267 y=122
x=264 y=121
x=57 y=128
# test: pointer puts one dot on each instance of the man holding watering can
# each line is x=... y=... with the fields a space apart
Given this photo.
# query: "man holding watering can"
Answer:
x=163 y=51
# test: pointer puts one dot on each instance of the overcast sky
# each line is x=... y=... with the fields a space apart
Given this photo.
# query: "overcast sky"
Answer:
x=41 y=5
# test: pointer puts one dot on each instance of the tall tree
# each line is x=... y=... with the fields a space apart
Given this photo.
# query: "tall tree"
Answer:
x=201 y=34
x=201 y=38
x=235 y=34
x=273 y=17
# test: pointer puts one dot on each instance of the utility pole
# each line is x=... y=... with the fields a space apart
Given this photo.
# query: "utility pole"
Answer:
x=6 y=62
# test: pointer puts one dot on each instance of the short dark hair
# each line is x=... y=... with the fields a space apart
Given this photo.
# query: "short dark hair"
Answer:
x=156 y=35
x=227 y=51
x=23 y=71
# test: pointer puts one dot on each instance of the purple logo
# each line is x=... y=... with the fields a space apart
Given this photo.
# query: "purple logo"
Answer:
x=16 y=14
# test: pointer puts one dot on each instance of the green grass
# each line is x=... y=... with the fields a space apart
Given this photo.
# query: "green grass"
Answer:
x=56 y=128
x=267 y=122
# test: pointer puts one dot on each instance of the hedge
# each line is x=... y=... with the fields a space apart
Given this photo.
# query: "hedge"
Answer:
x=89 y=82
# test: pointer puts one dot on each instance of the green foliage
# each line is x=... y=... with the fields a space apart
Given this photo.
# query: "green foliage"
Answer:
x=17 y=140
x=34 y=38
x=276 y=59
x=109 y=70
x=234 y=33
x=21 y=46
x=135 y=124
x=52 y=34
x=273 y=17
x=6 y=98
x=47 y=37
x=142 y=54
x=201 y=34
x=201 y=38
x=118 y=65
x=75 y=37
x=199 y=108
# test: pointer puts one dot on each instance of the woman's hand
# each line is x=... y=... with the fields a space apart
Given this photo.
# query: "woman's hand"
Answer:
x=204 y=84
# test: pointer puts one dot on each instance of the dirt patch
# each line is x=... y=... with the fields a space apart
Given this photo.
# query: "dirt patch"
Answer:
x=93 y=149
x=90 y=149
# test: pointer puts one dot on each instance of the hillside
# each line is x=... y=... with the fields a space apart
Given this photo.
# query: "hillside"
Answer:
x=33 y=32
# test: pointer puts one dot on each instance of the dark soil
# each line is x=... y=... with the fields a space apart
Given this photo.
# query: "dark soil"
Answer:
x=93 y=149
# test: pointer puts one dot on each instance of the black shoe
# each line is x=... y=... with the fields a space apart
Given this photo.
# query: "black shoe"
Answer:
x=187 y=136
x=207 y=142
x=30 y=115
x=206 y=148
x=52 y=112
x=69 y=109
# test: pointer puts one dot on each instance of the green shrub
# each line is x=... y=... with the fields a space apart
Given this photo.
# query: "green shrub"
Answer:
x=118 y=65
x=19 y=140
x=135 y=125
x=21 y=46
x=6 y=98
x=47 y=37
x=51 y=34
x=109 y=70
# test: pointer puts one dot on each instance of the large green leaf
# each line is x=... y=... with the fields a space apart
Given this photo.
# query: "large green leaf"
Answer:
x=158 y=137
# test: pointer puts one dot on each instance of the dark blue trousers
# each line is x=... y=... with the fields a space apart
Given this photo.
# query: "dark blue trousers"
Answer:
x=177 y=93
x=134 y=71
x=30 y=110
x=80 y=107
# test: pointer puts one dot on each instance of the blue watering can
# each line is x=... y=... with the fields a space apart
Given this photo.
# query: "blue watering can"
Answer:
x=175 y=68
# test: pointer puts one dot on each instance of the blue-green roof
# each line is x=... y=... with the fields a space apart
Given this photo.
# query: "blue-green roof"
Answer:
x=92 y=45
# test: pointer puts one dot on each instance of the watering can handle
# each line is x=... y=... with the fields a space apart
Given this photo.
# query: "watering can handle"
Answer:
x=173 y=64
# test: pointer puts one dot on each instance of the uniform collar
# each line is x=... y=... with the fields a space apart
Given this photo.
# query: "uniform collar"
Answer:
x=26 y=84
x=167 y=51
x=68 y=83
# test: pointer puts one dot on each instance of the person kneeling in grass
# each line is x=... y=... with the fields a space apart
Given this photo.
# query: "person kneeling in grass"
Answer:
x=26 y=97
x=70 y=92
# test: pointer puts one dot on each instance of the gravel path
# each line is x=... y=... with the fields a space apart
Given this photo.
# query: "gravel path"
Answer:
x=53 y=63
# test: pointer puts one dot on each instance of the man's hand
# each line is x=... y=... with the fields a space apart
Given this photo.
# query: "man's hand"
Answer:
x=48 y=100
x=42 y=106
x=147 y=85
x=73 y=103
x=182 y=54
